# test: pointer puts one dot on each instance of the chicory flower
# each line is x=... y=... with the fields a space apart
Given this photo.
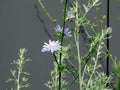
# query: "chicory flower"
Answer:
x=52 y=46
x=70 y=15
x=67 y=32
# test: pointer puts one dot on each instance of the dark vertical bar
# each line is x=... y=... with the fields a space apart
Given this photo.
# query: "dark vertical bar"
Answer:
x=107 y=64
x=61 y=43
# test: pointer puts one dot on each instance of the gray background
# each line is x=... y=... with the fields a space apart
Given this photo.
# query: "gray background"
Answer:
x=23 y=24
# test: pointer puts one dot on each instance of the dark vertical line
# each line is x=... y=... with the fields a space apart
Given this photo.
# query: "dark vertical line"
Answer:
x=61 y=43
x=107 y=64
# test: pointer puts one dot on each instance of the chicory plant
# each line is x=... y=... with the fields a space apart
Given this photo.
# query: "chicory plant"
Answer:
x=87 y=73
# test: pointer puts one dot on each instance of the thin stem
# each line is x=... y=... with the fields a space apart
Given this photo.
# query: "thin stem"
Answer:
x=64 y=20
x=46 y=12
x=79 y=61
x=61 y=43
x=18 y=79
x=55 y=59
x=78 y=47
x=83 y=72
x=72 y=83
x=93 y=70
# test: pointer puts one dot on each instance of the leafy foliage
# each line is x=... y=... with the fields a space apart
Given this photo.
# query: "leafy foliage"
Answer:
x=86 y=73
x=19 y=76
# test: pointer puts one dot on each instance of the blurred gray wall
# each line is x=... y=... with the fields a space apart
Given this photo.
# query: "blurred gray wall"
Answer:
x=23 y=24
x=115 y=24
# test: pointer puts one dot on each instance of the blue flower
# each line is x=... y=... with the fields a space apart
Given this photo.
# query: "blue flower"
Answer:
x=67 y=32
x=58 y=29
x=51 y=47
x=70 y=15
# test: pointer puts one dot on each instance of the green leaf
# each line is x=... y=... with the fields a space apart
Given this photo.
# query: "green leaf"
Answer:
x=26 y=85
x=13 y=72
x=10 y=80
x=85 y=7
x=24 y=79
x=26 y=73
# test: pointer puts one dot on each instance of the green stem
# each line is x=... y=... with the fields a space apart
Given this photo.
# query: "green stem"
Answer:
x=18 y=79
x=68 y=87
x=46 y=12
x=55 y=59
x=78 y=47
x=79 y=63
x=93 y=69
x=61 y=43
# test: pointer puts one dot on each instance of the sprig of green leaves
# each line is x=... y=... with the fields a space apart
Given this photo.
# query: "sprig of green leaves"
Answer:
x=18 y=75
